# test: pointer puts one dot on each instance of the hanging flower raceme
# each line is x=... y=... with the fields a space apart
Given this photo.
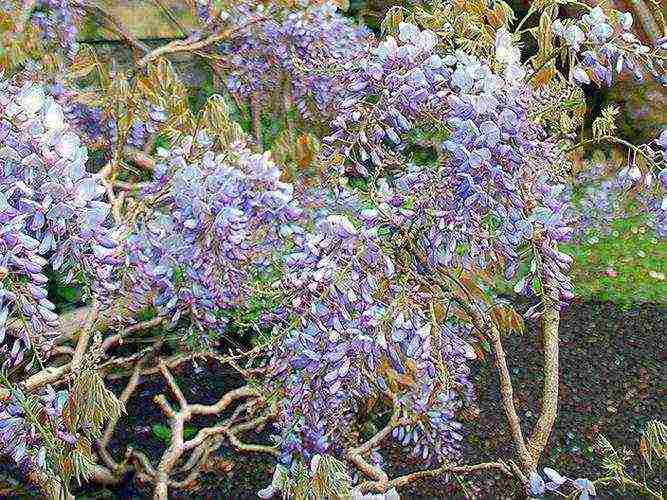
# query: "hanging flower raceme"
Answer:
x=215 y=221
x=19 y=421
x=57 y=21
x=51 y=209
x=491 y=188
x=604 y=46
x=358 y=334
x=302 y=52
x=599 y=195
x=387 y=92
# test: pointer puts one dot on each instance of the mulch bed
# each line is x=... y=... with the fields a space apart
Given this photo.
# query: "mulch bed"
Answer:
x=612 y=382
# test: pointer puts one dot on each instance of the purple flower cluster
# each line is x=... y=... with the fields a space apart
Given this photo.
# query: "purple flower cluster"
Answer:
x=386 y=93
x=604 y=45
x=537 y=487
x=358 y=333
x=141 y=130
x=494 y=188
x=599 y=195
x=25 y=423
x=208 y=14
x=214 y=221
x=50 y=208
x=307 y=48
x=57 y=21
x=364 y=318
x=319 y=201
x=88 y=121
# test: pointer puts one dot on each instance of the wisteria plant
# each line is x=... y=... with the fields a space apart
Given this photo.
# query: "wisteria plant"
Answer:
x=411 y=168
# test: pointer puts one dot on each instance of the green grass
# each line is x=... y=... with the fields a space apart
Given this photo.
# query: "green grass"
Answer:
x=628 y=266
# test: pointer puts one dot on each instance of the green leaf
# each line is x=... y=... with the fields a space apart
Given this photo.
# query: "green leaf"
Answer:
x=162 y=432
x=68 y=293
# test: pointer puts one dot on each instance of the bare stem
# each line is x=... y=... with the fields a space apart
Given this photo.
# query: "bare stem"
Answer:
x=356 y=456
x=178 y=418
x=69 y=325
x=549 y=409
x=192 y=46
x=507 y=395
x=256 y=122
x=449 y=469
x=84 y=336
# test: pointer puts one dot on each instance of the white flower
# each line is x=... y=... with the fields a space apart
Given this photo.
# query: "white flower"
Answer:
x=450 y=60
x=601 y=32
x=469 y=351
x=341 y=225
x=579 y=75
x=493 y=82
x=554 y=476
x=54 y=118
x=408 y=33
x=648 y=179
x=619 y=65
x=407 y=52
x=514 y=73
x=630 y=38
x=626 y=20
x=267 y=492
x=634 y=173
x=574 y=36
x=387 y=49
x=662 y=139
x=557 y=27
x=596 y=16
x=67 y=145
x=435 y=61
x=506 y=52
x=32 y=98
x=314 y=464
x=87 y=190
x=427 y=40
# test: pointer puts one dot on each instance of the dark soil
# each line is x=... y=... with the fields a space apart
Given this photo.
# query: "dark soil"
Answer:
x=612 y=372
x=612 y=382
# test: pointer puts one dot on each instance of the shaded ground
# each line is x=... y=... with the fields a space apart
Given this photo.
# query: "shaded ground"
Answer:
x=612 y=365
x=612 y=382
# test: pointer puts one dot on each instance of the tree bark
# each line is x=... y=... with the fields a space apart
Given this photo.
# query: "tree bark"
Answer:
x=549 y=408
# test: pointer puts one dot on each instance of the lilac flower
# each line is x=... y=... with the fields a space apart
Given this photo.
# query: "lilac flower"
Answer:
x=215 y=225
x=312 y=44
x=662 y=140
x=606 y=44
x=488 y=118
x=580 y=75
x=332 y=355
x=19 y=437
x=57 y=21
x=51 y=209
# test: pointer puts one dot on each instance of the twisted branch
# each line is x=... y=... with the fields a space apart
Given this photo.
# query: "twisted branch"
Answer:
x=182 y=414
